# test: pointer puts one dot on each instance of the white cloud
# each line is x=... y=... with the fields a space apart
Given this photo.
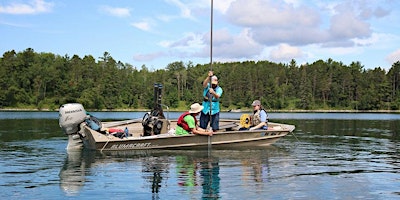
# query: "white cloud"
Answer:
x=285 y=52
x=272 y=23
x=281 y=31
x=15 y=24
x=188 y=46
x=144 y=25
x=374 y=39
x=190 y=40
x=261 y=13
x=347 y=25
x=34 y=7
x=118 y=12
x=148 y=57
x=393 y=57
x=237 y=46
x=185 y=11
x=222 y=5
x=294 y=23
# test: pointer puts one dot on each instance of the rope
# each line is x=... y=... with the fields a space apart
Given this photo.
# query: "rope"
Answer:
x=105 y=144
x=295 y=137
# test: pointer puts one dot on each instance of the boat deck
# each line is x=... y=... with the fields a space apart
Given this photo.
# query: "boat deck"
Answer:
x=135 y=128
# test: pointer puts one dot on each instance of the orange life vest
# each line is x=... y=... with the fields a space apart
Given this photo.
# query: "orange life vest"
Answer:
x=182 y=123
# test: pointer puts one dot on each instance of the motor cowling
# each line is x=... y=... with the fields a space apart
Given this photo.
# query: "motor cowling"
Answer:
x=71 y=115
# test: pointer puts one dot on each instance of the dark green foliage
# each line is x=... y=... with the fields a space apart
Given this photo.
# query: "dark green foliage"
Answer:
x=44 y=80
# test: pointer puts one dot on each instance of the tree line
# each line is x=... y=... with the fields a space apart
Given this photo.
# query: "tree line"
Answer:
x=44 y=80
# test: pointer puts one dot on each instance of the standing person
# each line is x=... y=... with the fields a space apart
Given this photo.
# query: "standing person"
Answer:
x=187 y=122
x=212 y=92
x=259 y=117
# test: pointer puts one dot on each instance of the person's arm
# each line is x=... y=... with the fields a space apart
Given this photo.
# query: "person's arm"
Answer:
x=263 y=116
x=207 y=80
x=258 y=126
x=193 y=126
x=215 y=94
x=201 y=131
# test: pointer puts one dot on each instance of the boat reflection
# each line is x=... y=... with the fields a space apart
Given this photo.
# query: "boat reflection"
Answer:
x=200 y=170
x=194 y=172
x=73 y=172
x=153 y=169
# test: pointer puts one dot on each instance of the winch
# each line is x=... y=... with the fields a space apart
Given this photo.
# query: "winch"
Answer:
x=155 y=123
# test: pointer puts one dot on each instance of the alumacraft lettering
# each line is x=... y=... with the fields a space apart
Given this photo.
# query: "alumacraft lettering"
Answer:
x=73 y=111
x=130 y=146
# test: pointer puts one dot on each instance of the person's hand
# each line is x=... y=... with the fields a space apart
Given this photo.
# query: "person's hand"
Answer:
x=210 y=133
x=211 y=90
x=210 y=73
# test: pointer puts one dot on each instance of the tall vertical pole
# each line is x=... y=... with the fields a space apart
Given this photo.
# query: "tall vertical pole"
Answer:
x=211 y=37
x=211 y=62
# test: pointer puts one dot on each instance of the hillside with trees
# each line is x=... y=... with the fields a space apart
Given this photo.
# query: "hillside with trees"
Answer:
x=31 y=80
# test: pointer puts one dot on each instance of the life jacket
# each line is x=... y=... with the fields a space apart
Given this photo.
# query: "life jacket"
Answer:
x=207 y=95
x=256 y=118
x=182 y=123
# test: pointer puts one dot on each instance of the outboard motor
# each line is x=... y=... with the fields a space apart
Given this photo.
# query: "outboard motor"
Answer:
x=70 y=119
x=154 y=123
x=71 y=115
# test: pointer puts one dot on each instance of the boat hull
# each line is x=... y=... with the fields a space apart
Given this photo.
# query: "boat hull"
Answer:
x=221 y=139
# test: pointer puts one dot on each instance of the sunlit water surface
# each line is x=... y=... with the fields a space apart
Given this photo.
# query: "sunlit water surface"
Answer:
x=330 y=156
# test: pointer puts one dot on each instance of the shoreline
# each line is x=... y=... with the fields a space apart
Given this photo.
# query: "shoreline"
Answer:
x=241 y=111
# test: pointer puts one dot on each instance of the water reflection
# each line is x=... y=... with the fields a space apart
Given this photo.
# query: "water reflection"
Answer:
x=255 y=168
x=195 y=172
x=209 y=172
x=153 y=170
x=333 y=159
x=186 y=169
x=73 y=172
x=201 y=171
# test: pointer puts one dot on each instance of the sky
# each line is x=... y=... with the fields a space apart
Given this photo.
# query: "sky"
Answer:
x=155 y=33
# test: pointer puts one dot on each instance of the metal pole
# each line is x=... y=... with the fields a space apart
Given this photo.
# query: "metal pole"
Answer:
x=211 y=62
x=211 y=37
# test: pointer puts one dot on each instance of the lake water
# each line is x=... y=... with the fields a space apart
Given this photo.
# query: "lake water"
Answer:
x=330 y=156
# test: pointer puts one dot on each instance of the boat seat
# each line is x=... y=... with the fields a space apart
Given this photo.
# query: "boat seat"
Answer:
x=228 y=126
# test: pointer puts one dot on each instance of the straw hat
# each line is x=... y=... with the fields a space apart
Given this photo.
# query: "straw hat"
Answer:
x=195 y=108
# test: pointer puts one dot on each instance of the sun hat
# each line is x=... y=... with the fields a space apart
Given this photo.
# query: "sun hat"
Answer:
x=256 y=103
x=214 y=80
x=195 y=108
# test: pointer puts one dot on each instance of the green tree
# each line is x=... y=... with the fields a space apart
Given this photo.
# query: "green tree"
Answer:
x=37 y=80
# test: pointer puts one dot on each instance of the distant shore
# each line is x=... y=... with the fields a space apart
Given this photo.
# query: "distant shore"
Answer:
x=241 y=110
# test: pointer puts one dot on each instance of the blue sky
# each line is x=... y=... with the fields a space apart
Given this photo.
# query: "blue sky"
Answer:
x=155 y=33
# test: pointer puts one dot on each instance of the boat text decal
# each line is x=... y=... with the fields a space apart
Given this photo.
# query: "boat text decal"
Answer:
x=73 y=111
x=130 y=146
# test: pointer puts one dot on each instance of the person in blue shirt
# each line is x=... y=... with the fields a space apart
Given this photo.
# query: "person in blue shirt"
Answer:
x=259 y=117
x=211 y=95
